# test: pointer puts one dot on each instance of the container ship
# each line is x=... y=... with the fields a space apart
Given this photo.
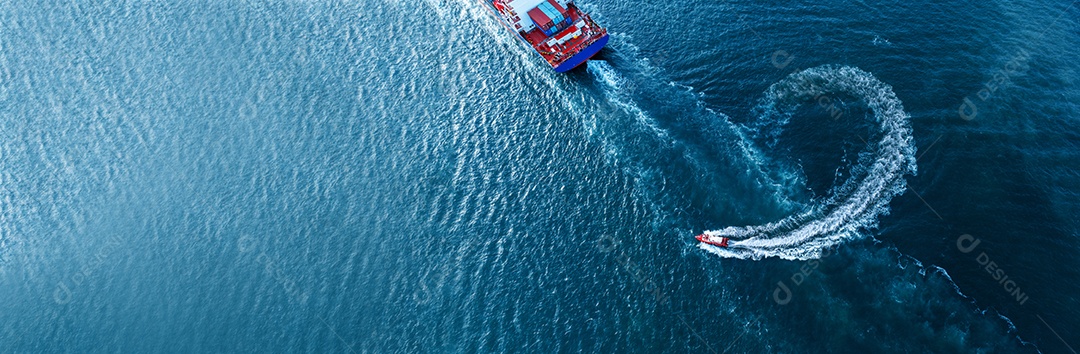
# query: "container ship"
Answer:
x=557 y=30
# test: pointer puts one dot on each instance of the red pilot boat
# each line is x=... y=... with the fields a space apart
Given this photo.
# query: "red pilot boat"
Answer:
x=557 y=30
x=713 y=240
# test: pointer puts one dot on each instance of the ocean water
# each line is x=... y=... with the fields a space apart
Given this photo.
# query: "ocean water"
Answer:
x=404 y=177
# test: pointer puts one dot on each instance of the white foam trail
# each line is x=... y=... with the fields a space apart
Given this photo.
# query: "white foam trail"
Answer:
x=853 y=205
x=622 y=92
x=858 y=202
x=617 y=93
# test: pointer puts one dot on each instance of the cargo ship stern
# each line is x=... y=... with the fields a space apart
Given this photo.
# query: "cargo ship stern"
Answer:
x=557 y=30
x=583 y=56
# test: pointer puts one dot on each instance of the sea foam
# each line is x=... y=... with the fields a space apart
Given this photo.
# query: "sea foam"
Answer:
x=852 y=205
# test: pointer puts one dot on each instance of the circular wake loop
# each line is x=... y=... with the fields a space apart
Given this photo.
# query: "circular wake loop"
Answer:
x=851 y=206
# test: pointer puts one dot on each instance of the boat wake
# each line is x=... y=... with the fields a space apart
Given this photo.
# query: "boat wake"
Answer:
x=646 y=145
x=851 y=206
x=617 y=95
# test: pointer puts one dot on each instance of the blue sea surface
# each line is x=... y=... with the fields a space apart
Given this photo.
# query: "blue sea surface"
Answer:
x=406 y=177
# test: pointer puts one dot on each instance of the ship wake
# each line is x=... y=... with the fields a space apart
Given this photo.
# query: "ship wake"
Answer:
x=851 y=206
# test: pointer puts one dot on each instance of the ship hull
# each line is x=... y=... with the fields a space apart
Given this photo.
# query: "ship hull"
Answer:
x=582 y=56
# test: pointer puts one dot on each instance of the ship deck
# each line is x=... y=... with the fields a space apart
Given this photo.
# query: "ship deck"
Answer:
x=557 y=54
